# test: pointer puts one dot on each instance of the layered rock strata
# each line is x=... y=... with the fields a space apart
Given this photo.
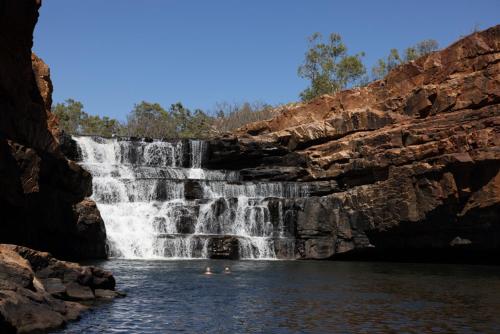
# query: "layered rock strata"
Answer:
x=39 y=293
x=406 y=165
x=43 y=201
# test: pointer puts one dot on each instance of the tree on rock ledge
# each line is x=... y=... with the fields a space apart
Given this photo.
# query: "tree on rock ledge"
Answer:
x=393 y=60
x=328 y=66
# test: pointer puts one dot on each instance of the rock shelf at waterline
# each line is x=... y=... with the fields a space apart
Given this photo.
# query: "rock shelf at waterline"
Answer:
x=158 y=202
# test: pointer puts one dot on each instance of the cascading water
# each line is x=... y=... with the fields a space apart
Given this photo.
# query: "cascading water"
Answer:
x=158 y=202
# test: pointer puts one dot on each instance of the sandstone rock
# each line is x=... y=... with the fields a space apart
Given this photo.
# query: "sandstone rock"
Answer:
x=54 y=286
x=90 y=230
x=318 y=248
x=75 y=291
x=35 y=290
x=401 y=166
x=107 y=294
x=39 y=187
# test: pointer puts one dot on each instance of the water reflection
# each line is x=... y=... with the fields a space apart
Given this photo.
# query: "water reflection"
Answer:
x=298 y=297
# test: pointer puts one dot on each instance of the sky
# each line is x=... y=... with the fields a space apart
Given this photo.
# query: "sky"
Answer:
x=111 y=54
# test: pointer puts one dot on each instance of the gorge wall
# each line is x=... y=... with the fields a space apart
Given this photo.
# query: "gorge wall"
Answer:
x=406 y=167
x=43 y=200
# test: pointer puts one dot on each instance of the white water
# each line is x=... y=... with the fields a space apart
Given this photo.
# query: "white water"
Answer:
x=141 y=188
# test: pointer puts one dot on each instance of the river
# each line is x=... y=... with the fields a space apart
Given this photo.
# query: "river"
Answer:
x=297 y=297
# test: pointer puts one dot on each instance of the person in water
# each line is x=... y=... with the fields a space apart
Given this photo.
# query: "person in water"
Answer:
x=208 y=271
x=227 y=270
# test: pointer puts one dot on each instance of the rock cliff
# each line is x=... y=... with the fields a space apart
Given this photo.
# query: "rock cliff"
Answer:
x=43 y=201
x=406 y=167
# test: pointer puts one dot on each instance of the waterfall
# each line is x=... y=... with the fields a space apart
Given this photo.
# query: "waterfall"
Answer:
x=157 y=201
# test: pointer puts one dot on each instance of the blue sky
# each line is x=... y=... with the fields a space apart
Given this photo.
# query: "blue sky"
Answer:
x=110 y=54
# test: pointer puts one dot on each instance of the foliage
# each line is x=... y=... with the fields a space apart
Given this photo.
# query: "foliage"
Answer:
x=384 y=66
x=230 y=116
x=148 y=120
x=70 y=114
x=145 y=120
x=328 y=67
x=103 y=126
x=73 y=119
x=199 y=126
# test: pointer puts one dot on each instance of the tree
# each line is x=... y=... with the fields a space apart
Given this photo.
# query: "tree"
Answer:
x=70 y=114
x=75 y=121
x=149 y=120
x=200 y=125
x=426 y=47
x=231 y=116
x=384 y=66
x=328 y=67
x=181 y=118
x=189 y=124
x=105 y=126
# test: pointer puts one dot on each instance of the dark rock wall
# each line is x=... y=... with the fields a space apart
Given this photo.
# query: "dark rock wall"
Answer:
x=406 y=167
x=41 y=192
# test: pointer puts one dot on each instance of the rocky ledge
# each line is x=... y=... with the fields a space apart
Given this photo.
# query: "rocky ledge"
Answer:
x=39 y=292
x=406 y=167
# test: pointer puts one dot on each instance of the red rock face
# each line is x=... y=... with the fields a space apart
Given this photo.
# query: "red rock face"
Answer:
x=40 y=190
x=413 y=159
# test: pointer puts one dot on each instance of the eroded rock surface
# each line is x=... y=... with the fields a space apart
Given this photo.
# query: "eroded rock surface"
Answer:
x=406 y=164
x=39 y=292
x=41 y=191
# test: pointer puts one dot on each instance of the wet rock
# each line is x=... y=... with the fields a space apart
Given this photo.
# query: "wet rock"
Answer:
x=460 y=242
x=185 y=220
x=75 y=291
x=90 y=230
x=69 y=147
x=224 y=247
x=231 y=154
x=54 y=286
x=107 y=294
x=319 y=248
x=313 y=220
x=193 y=190
x=285 y=248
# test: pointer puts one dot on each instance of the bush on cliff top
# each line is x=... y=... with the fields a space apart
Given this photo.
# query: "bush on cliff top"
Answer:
x=152 y=120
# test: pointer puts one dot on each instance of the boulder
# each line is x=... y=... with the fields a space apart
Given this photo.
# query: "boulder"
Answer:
x=39 y=293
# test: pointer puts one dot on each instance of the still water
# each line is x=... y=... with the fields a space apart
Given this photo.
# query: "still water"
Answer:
x=297 y=297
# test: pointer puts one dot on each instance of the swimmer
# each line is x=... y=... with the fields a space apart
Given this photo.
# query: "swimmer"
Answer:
x=208 y=271
x=227 y=270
